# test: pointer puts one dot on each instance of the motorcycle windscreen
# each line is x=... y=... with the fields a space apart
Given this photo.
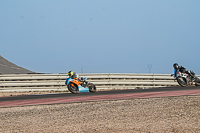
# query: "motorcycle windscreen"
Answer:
x=82 y=89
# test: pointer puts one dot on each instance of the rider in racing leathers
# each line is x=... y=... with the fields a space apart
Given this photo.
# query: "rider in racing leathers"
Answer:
x=182 y=70
x=72 y=75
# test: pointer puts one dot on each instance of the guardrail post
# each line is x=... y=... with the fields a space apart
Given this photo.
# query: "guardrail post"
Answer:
x=153 y=76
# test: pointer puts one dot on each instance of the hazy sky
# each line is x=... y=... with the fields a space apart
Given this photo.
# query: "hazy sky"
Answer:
x=101 y=36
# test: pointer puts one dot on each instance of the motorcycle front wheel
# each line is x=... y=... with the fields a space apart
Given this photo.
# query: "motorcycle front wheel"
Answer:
x=92 y=87
x=181 y=81
x=73 y=88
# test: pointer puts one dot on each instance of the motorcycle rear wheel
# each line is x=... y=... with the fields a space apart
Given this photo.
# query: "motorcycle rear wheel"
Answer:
x=197 y=81
x=73 y=88
x=92 y=87
x=181 y=82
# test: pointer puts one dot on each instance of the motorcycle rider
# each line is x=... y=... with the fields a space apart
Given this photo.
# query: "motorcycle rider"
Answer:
x=182 y=70
x=72 y=75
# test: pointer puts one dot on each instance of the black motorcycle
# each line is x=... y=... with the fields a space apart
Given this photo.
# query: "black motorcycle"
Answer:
x=187 y=79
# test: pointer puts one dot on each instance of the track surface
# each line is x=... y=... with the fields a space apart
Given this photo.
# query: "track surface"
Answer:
x=99 y=95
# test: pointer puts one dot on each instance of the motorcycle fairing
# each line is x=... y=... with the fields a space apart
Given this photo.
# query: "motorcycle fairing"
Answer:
x=68 y=80
x=178 y=73
x=80 y=88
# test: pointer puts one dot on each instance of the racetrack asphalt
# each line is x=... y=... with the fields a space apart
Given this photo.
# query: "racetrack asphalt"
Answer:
x=26 y=100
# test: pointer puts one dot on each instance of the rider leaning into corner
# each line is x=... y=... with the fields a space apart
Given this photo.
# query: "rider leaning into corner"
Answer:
x=74 y=75
x=182 y=70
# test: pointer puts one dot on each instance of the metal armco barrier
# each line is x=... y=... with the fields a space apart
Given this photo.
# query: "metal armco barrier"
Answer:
x=56 y=82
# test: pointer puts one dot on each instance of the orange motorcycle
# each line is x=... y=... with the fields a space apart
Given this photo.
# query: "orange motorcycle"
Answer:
x=77 y=85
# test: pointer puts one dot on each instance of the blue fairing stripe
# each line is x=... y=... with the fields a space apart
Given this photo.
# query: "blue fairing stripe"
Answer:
x=82 y=89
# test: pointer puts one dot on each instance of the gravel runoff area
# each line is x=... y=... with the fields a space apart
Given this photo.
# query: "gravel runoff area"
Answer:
x=147 y=115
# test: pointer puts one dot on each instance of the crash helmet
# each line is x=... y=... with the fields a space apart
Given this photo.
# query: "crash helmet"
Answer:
x=175 y=66
x=70 y=73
